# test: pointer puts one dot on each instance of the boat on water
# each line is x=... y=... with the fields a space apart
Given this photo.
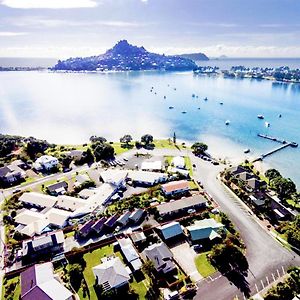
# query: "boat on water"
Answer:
x=279 y=116
x=205 y=99
x=193 y=95
x=227 y=122
x=260 y=117
x=171 y=107
x=183 y=112
x=247 y=150
x=267 y=124
x=199 y=107
x=165 y=97
x=221 y=103
x=174 y=89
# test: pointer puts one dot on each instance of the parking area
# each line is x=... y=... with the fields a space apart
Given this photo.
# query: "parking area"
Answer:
x=185 y=257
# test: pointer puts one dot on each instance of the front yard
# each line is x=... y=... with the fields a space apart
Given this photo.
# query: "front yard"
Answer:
x=203 y=265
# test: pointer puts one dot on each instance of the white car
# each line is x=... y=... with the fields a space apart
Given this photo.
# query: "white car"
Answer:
x=191 y=211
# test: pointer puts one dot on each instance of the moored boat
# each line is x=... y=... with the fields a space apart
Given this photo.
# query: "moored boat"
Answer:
x=260 y=117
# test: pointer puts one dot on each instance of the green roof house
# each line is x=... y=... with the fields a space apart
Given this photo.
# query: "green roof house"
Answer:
x=205 y=229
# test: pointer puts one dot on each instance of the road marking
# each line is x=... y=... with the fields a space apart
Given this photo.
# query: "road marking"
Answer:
x=262 y=283
x=268 y=280
x=256 y=287
x=244 y=297
x=273 y=276
x=283 y=270
x=278 y=273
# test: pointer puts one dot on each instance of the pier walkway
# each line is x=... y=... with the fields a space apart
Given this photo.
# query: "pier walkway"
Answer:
x=284 y=144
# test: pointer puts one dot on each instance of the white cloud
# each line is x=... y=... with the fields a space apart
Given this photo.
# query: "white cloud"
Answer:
x=52 y=23
x=9 y=33
x=51 y=4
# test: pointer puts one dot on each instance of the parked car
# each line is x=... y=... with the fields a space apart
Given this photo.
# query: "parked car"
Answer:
x=191 y=211
x=197 y=247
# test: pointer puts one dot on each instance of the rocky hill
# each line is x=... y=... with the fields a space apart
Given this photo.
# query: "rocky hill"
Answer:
x=195 y=56
x=125 y=57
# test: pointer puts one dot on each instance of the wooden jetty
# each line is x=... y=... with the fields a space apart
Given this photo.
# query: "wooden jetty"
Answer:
x=284 y=144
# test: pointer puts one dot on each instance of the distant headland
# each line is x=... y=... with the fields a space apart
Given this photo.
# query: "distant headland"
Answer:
x=126 y=57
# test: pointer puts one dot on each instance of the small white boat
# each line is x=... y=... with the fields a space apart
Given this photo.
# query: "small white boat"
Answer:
x=227 y=122
x=205 y=99
x=267 y=124
x=260 y=117
x=247 y=150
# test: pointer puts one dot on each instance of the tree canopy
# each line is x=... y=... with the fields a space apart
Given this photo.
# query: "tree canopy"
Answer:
x=127 y=138
x=147 y=139
x=199 y=148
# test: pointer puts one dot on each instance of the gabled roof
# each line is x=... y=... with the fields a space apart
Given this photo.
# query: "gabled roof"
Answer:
x=147 y=177
x=205 y=229
x=86 y=227
x=56 y=186
x=130 y=253
x=98 y=225
x=138 y=236
x=123 y=219
x=111 y=273
x=38 y=283
x=136 y=214
x=171 y=230
x=38 y=199
x=161 y=256
x=151 y=165
x=175 y=186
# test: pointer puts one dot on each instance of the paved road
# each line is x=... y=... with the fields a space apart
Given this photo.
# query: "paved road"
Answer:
x=264 y=254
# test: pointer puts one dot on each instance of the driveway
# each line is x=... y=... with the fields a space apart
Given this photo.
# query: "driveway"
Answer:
x=185 y=257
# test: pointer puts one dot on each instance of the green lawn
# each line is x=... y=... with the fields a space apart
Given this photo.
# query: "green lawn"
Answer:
x=93 y=259
x=203 y=265
x=119 y=149
x=13 y=293
x=167 y=144
x=192 y=185
x=28 y=180
x=188 y=165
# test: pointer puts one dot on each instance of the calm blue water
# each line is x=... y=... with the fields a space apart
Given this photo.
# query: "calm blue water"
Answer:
x=68 y=108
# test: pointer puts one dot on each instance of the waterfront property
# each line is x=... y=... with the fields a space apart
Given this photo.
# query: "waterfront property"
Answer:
x=39 y=282
x=147 y=179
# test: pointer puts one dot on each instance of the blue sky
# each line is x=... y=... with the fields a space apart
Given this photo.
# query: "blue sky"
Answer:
x=236 y=28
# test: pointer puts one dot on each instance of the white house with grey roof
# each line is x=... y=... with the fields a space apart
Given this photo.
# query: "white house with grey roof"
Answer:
x=111 y=273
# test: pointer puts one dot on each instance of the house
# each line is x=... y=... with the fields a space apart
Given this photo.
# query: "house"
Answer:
x=138 y=237
x=11 y=174
x=253 y=184
x=178 y=162
x=58 y=188
x=137 y=215
x=111 y=221
x=183 y=172
x=45 y=162
x=104 y=194
x=244 y=176
x=181 y=206
x=144 y=178
x=130 y=254
x=176 y=188
x=161 y=256
x=255 y=201
x=76 y=154
x=39 y=282
x=50 y=243
x=124 y=218
x=115 y=177
x=236 y=170
x=111 y=273
x=152 y=166
x=207 y=229
x=68 y=203
x=171 y=230
x=85 y=229
x=98 y=226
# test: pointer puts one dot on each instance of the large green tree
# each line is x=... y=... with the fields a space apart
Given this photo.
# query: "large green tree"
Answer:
x=199 y=148
x=147 y=139
x=272 y=174
x=285 y=187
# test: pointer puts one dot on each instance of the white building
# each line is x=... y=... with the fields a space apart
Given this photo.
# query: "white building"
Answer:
x=152 y=166
x=45 y=162
x=178 y=162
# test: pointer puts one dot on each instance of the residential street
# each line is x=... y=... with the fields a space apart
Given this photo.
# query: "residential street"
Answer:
x=265 y=255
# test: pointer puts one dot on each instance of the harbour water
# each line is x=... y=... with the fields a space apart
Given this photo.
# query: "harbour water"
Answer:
x=70 y=107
